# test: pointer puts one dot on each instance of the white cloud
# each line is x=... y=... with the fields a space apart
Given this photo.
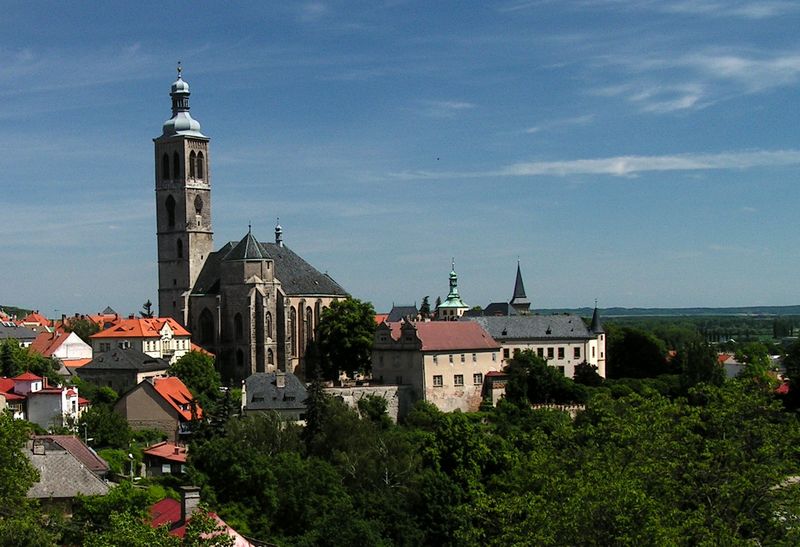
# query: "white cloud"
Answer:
x=563 y=122
x=445 y=109
x=621 y=166
x=313 y=11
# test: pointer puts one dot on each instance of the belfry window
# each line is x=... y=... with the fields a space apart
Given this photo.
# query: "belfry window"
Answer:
x=201 y=160
x=191 y=164
x=170 y=205
x=176 y=166
x=238 y=330
x=179 y=248
x=198 y=205
x=165 y=167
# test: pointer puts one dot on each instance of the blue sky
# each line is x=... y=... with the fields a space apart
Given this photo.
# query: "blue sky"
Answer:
x=644 y=153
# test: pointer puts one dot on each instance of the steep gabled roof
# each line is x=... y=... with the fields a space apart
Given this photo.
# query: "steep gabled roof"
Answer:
x=62 y=475
x=79 y=450
x=175 y=392
x=263 y=392
x=298 y=276
x=125 y=359
x=449 y=335
x=26 y=377
x=248 y=249
x=401 y=312
x=141 y=328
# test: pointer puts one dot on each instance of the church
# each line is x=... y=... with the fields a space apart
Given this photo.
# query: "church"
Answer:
x=255 y=305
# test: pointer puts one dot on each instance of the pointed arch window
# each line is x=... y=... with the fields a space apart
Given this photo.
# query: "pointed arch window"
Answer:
x=165 y=167
x=198 y=205
x=238 y=328
x=239 y=357
x=176 y=166
x=206 y=327
x=292 y=331
x=191 y=164
x=179 y=248
x=201 y=167
x=309 y=332
x=270 y=357
x=170 y=205
x=268 y=321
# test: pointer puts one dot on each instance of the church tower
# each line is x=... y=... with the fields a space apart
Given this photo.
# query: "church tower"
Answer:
x=183 y=205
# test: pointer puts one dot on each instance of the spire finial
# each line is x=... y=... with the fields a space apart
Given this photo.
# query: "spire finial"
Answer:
x=180 y=69
x=595 y=302
x=454 y=263
x=249 y=228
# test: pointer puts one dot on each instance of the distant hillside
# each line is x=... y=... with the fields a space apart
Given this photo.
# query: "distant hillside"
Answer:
x=680 y=312
x=13 y=310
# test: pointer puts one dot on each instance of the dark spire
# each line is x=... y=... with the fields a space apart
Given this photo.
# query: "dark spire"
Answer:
x=596 y=326
x=248 y=249
x=520 y=300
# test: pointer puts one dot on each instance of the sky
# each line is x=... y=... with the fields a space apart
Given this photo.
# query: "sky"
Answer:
x=644 y=153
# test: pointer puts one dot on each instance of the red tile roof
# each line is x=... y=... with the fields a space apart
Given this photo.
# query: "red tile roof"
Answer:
x=381 y=317
x=195 y=347
x=75 y=363
x=36 y=318
x=82 y=453
x=141 y=328
x=27 y=377
x=168 y=451
x=46 y=343
x=6 y=385
x=178 y=395
x=449 y=335
x=168 y=511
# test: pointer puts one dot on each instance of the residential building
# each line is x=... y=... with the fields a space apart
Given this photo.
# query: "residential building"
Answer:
x=255 y=305
x=563 y=340
x=444 y=361
x=62 y=476
x=160 y=337
x=279 y=392
x=67 y=347
x=75 y=446
x=30 y=397
x=23 y=335
x=165 y=458
x=165 y=404
x=121 y=369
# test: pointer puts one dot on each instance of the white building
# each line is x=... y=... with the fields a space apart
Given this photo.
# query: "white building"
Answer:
x=160 y=337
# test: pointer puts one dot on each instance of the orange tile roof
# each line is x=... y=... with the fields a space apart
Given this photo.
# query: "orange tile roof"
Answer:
x=141 y=328
x=168 y=451
x=27 y=376
x=46 y=343
x=381 y=317
x=37 y=319
x=195 y=347
x=178 y=395
x=449 y=335
x=75 y=363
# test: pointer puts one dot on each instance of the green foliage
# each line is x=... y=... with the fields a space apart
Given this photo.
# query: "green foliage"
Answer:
x=196 y=370
x=131 y=530
x=532 y=380
x=106 y=427
x=345 y=336
x=15 y=360
x=633 y=353
x=698 y=363
x=98 y=395
x=92 y=514
x=425 y=307
x=147 y=309
x=83 y=327
x=586 y=374
x=375 y=409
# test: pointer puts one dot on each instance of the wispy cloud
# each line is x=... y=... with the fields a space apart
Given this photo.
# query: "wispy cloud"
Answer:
x=624 y=166
x=444 y=109
x=313 y=11
x=559 y=123
x=743 y=9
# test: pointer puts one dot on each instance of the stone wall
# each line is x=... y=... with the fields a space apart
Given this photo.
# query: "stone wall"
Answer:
x=400 y=399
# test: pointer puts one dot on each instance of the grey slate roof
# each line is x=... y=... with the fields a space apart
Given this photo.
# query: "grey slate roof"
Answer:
x=535 y=327
x=124 y=359
x=519 y=297
x=596 y=326
x=77 y=448
x=61 y=475
x=401 y=312
x=264 y=394
x=248 y=249
x=21 y=334
x=295 y=274
x=493 y=309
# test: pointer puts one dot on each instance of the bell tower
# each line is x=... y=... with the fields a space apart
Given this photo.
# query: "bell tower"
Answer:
x=183 y=205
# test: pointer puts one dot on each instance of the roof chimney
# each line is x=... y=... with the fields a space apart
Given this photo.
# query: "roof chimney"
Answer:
x=190 y=501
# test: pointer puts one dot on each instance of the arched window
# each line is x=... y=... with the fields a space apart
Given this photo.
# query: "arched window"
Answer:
x=176 y=166
x=317 y=311
x=198 y=205
x=165 y=167
x=179 y=248
x=238 y=330
x=170 y=204
x=239 y=357
x=292 y=333
x=201 y=161
x=270 y=357
x=309 y=325
x=206 y=327
x=191 y=164
x=268 y=321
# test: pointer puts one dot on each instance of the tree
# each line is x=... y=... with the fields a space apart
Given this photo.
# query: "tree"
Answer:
x=633 y=353
x=425 y=308
x=532 y=380
x=757 y=362
x=106 y=427
x=587 y=375
x=196 y=370
x=15 y=360
x=698 y=363
x=147 y=309
x=83 y=327
x=345 y=335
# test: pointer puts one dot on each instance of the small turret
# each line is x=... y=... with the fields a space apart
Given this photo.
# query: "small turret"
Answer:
x=519 y=301
x=596 y=327
x=278 y=234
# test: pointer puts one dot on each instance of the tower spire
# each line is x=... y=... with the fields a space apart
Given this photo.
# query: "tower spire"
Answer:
x=519 y=301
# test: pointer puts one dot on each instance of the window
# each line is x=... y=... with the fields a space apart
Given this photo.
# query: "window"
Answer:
x=437 y=380
x=550 y=353
x=399 y=380
x=474 y=357
x=198 y=205
x=561 y=370
x=458 y=380
x=238 y=328
x=240 y=357
x=540 y=352
x=191 y=164
x=206 y=327
x=269 y=325
x=270 y=357
x=166 y=468
x=561 y=353
x=505 y=353
x=450 y=357
x=576 y=353
x=477 y=378
x=170 y=206
x=176 y=166
x=494 y=356
x=179 y=248
x=201 y=161
x=165 y=167
x=435 y=359
x=291 y=328
x=592 y=351
x=463 y=358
